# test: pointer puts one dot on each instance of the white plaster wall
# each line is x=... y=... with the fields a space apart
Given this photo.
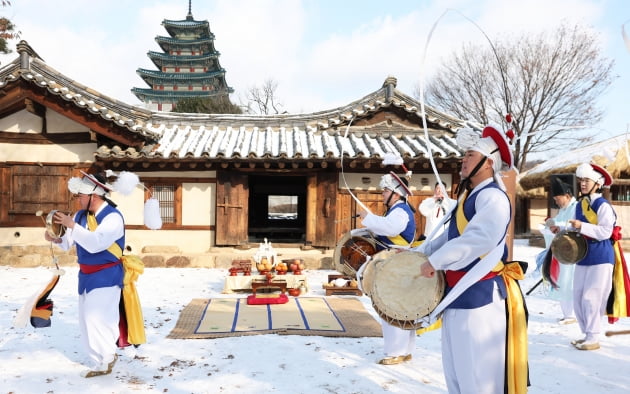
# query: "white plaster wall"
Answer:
x=132 y=206
x=56 y=123
x=22 y=122
x=355 y=181
x=71 y=153
x=188 y=241
x=22 y=236
x=198 y=204
x=28 y=123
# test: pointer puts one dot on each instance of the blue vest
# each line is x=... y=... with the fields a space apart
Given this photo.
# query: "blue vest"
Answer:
x=598 y=252
x=408 y=233
x=480 y=293
x=111 y=276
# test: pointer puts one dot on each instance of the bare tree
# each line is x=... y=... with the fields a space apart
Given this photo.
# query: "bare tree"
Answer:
x=549 y=83
x=263 y=98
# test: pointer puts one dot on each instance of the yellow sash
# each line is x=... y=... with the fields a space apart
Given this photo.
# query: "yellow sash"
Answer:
x=133 y=267
x=398 y=240
x=619 y=307
x=516 y=345
x=589 y=214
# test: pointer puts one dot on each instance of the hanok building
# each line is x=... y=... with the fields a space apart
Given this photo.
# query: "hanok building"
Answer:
x=612 y=154
x=219 y=178
x=187 y=67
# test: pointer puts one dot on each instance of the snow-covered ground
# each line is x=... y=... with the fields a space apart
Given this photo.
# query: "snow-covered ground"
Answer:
x=47 y=360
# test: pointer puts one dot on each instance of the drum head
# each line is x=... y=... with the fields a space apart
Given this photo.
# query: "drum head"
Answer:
x=55 y=230
x=400 y=294
x=351 y=252
x=365 y=275
x=569 y=247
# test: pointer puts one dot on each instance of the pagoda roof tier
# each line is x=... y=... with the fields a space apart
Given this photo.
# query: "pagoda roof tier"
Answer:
x=188 y=28
x=174 y=95
x=166 y=78
x=168 y=43
x=161 y=59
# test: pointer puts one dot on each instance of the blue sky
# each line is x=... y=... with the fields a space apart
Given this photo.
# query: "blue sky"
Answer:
x=322 y=53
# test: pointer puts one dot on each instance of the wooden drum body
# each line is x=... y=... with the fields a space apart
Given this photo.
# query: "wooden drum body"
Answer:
x=352 y=251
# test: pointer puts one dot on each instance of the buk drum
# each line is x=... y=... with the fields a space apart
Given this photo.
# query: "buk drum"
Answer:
x=352 y=251
x=53 y=229
x=569 y=247
x=400 y=294
x=365 y=274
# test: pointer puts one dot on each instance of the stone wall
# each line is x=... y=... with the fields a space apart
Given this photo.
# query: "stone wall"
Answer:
x=160 y=256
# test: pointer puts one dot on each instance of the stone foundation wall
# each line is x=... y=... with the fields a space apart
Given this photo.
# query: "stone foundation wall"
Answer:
x=160 y=256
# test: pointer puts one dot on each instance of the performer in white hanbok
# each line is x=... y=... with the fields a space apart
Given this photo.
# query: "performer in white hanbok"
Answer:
x=434 y=208
x=563 y=196
x=98 y=232
x=484 y=328
x=592 y=283
x=396 y=227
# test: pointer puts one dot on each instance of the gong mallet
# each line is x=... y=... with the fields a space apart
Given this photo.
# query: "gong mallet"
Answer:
x=534 y=287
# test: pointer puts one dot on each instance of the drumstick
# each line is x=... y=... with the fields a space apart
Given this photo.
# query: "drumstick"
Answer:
x=621 y=332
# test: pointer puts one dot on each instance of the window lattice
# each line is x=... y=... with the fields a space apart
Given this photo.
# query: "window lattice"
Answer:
x=166 y=196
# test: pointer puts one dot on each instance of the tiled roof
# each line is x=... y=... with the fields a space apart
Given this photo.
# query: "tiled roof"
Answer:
x=251 y=142
x=155 y=74
x=319 y=135
x=186 y=23
x=153 y=55
x=176 y=94
x=29 y=67
x=180 y=42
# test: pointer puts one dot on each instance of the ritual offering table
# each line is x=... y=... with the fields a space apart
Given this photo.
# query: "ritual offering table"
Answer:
x=244 y=283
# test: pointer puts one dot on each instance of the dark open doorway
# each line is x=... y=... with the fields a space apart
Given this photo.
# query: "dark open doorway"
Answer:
x=277 y=208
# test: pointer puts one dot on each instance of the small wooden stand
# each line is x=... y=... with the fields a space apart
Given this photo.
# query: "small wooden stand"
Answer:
x=277 y=284
x=346 y=290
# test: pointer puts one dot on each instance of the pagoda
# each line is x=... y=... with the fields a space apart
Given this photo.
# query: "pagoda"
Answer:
x=187 y=67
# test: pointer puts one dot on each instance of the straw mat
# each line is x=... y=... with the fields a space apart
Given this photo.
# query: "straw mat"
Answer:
x=228 y=317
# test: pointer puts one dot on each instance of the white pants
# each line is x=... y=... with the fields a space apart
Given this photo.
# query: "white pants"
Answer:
x=591 y=288
x=473 y=348
x=98 y=319
x=396 y=341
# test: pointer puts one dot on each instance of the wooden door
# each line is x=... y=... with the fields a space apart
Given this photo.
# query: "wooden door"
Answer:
x=322 y=209
x=231 y=209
